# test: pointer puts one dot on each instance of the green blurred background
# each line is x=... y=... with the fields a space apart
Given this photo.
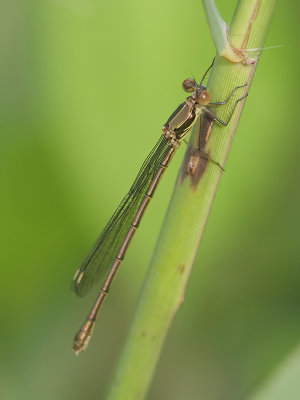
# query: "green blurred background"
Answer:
x=85 y=88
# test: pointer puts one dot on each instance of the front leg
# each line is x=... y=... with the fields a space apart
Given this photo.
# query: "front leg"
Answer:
x=215 y=117
x=219 y=103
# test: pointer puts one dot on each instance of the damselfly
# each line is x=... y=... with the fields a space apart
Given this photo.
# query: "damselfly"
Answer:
x=105 y=257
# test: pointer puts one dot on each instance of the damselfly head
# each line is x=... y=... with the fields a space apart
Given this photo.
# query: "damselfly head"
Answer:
x=189 y=85
x=201 y=93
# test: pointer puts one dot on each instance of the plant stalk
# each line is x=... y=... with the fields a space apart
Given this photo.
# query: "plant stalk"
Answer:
x=194 y=191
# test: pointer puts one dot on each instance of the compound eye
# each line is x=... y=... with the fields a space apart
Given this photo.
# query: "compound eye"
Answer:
x=189 y=85
x=204 y=97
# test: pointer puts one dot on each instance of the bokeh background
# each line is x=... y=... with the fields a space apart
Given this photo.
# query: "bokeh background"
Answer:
x=85 y=88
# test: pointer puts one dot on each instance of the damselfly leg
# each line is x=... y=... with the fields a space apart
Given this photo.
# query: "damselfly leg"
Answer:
x=204 y=135
x=221 y=103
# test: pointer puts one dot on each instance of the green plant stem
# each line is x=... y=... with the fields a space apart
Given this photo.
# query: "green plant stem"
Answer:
x=187 y=214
